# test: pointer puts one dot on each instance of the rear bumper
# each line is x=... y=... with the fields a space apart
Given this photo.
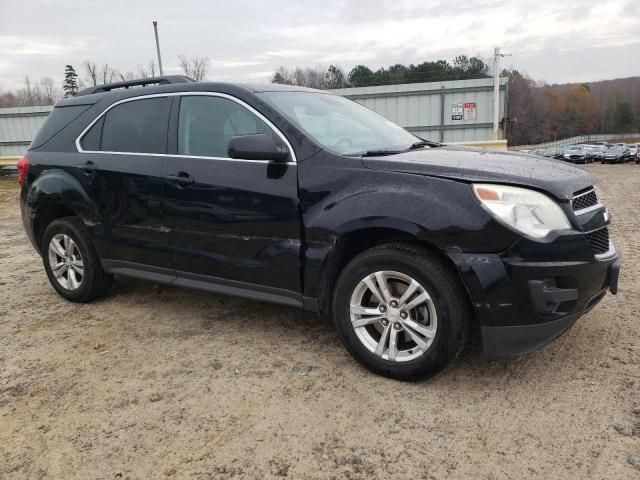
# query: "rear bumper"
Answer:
x=523 y=306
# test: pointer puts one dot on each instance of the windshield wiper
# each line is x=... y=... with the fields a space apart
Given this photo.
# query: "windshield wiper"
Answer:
x=425 y=143
x=373 y=153
x=383 y=152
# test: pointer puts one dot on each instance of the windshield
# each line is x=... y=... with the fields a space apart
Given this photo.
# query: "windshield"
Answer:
x=340 y=125
x=615 y=149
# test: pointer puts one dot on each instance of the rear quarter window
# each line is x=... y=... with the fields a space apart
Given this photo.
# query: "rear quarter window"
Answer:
x=92 y=139
x=57 y=120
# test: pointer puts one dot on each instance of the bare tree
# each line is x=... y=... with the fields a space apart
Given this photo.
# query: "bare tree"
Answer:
x=148 y=71
x=43 y=92
x=304 y=77
x=194 y=67
x=8 y=99
x=108 y=74
x=126 y=76
x=49 y=92
x=91 y=71
x=283 y=76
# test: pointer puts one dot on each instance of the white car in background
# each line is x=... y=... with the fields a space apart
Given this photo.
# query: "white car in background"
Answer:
x=635 y=152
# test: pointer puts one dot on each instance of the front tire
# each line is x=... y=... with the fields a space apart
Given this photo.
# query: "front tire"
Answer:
x=71 y=261
x=401 y=311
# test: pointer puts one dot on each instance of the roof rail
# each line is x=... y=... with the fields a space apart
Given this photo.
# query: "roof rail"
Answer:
x=141 y=82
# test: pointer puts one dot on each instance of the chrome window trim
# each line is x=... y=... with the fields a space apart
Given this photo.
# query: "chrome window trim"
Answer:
x=294 y=160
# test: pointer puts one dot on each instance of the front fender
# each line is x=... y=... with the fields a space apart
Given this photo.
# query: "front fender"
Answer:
x=438 y=212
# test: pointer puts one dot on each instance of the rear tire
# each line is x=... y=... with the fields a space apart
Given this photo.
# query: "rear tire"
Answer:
x=71 y=261
x=417 y=341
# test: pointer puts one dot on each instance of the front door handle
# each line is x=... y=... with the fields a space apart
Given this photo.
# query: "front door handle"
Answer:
x=87 y=167
x=182 y=179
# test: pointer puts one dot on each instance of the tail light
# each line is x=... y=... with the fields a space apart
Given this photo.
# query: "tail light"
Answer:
x=23 y=168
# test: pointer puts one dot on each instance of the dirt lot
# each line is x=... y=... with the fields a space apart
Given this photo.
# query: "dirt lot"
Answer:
x=163 y=382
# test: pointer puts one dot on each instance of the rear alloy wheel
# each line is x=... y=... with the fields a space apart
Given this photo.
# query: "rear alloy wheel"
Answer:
x=71 y=261
x=401 y=311
x=65 y=261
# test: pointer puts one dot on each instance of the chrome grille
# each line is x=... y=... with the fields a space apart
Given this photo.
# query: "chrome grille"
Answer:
x=599 y=241
x=584 y=200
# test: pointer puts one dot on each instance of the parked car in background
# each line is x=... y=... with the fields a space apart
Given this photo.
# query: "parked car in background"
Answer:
x=635 y=154
x=597 y=151
x=304 y=198
x=617 y=154
x=577 y=154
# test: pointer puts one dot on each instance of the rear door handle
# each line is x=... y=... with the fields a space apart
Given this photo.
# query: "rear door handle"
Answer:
x=182 y=179
x=88 y=166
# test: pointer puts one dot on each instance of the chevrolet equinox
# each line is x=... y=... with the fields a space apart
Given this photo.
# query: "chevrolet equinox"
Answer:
x=301 y=197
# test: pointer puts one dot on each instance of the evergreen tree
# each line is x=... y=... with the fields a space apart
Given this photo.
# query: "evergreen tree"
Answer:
x=70 y=86
x=361 y=76
x=336 y=77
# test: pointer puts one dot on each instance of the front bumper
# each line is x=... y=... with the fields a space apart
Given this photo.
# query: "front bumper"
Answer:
x=523 y=306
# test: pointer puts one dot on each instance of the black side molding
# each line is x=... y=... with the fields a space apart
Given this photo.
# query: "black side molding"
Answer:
x=210 y=284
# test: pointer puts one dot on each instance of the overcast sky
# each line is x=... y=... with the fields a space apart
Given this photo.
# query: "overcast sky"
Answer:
x=553 y=40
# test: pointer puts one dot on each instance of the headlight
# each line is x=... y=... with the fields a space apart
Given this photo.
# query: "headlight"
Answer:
x=524 y=210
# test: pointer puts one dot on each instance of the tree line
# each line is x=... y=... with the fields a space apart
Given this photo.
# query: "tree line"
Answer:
x=538 y=112
x=46 y=92
x=461 y=68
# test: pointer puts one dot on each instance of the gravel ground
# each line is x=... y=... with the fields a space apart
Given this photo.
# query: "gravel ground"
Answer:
x=156 y=382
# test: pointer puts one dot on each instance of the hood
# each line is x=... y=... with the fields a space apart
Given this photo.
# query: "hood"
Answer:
x=478 y=165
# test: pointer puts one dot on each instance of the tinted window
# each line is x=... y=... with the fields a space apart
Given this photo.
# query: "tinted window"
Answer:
x=91 y=139
x=139 y=126
x=59 y=118
x=206 y=124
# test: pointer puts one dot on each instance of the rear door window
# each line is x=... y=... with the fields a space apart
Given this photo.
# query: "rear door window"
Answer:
x=138 y=126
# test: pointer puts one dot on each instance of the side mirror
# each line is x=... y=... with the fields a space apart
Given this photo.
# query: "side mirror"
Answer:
x=257 y=147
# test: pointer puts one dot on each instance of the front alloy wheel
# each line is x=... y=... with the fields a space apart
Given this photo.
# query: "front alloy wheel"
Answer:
x=393 y=316
x=401 y=311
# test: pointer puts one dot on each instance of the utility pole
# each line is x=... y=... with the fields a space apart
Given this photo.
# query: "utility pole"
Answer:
x=155 y=29
x=496 y=91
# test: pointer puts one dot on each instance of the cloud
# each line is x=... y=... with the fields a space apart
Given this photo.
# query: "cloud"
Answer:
x=13 y=45
x=248 y=39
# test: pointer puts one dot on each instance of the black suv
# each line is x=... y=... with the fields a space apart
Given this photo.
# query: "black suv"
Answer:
x=304 y=198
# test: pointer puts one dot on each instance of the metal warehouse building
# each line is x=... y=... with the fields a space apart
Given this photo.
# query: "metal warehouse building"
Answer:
x=453 y=111
x=18 y=126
